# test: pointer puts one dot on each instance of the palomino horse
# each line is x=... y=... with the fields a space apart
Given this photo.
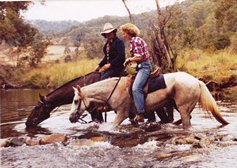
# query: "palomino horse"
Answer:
x=60 y=96
x=183 y=88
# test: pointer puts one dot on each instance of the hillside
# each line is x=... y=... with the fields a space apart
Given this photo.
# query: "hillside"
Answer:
x=51 y=27
x=192 y=23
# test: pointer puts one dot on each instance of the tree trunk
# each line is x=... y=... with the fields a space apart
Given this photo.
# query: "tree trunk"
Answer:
x=161 y=47
x=129 y=13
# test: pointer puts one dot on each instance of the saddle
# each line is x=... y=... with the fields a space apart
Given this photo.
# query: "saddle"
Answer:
x=154 y=82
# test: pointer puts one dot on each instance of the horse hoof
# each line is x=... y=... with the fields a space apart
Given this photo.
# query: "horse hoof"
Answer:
x=134 y=123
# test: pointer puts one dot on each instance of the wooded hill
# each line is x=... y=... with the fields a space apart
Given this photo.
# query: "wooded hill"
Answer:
x=200 y=24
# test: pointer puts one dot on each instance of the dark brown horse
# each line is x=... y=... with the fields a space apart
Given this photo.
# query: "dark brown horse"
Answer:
x=60 y=96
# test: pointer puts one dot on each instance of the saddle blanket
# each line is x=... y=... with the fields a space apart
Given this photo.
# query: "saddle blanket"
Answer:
x=156 y=83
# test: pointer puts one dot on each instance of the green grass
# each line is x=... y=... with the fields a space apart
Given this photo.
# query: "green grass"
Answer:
x=218 y=66
x=55 y=75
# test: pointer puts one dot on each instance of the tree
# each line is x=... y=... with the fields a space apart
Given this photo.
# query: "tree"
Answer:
x=13 y=30
x=93 y=48
x=162 y=51
x=16 y=33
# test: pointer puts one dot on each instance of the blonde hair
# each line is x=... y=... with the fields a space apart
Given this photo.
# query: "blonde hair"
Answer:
x=130 y=29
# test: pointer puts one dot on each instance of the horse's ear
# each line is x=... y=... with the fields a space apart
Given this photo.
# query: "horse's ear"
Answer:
x=75 y=89
x=79 y=91
x=78 y=88
x=42 y=98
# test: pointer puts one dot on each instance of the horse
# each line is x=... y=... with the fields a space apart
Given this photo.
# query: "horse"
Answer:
x=184 y=89
x=60 y=96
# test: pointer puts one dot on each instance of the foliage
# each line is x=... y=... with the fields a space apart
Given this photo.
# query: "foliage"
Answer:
x=226 y=15
x=15 y=32
x=94 y=48
x=219 y=66
x=221 y=42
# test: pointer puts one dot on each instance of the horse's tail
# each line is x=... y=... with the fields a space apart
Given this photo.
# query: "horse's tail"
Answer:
x=208 y=103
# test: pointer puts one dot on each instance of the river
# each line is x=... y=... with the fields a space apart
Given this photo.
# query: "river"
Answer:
x=206 y=144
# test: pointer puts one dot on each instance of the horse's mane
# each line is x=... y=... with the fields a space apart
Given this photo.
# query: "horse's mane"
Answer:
x=105 y=82
x=69 y=82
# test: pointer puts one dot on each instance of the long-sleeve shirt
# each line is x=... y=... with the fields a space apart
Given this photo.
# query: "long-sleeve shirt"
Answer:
x=138 y=48
x=116 y=54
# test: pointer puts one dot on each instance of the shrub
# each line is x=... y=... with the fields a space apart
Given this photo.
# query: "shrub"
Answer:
x=221 y=42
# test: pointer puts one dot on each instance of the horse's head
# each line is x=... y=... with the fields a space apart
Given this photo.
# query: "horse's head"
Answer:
x=78 y=105
x=40 y=112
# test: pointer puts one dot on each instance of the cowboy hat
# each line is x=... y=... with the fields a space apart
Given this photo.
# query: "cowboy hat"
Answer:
x=108 y=28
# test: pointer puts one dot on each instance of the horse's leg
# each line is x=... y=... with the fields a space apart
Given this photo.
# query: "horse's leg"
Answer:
x=131 y=114
x=185 y=112
x=162 y=115
x=120 y=117
x=185 y=116
x=187 y=93
x=170 y=110
x=166 y=114
x=96 y=116
x=150 y=116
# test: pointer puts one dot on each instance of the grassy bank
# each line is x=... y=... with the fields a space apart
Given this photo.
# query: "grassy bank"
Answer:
x=53 y=75
x=219 y=66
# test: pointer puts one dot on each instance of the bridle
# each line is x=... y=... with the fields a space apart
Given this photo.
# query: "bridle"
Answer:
x=45 y=105
x=106 y=102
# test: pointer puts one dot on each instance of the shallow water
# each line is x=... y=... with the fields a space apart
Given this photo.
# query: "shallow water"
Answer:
x=99 y=145
x=15 y=106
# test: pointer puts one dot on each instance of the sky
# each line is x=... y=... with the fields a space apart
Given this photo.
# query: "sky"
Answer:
x=84 y=10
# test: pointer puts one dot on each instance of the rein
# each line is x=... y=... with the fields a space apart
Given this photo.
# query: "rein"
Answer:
x=113 y=90
x=106 y=102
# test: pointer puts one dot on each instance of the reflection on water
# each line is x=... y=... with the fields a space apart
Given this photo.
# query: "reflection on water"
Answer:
x=15 y=106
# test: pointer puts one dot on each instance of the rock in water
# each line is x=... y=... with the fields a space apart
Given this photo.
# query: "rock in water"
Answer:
x=53 y=138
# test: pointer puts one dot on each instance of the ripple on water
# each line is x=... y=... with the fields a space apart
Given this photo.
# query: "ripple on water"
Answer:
x=94 y=145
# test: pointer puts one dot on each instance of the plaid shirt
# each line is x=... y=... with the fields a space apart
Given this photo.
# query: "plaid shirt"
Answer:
x=138 y=48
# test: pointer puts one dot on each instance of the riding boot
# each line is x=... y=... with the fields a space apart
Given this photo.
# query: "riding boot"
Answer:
x=139 y=118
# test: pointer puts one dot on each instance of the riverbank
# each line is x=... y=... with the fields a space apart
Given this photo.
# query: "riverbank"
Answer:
x=226 y=90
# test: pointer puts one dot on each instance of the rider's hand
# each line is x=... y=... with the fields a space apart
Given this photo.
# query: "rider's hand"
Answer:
x=127 y=61
x=97 y=68
x=106 y=66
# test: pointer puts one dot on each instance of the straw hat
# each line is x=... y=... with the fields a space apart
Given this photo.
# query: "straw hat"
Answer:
x=108 y=28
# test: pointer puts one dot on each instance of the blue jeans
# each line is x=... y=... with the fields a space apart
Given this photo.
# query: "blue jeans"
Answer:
x=138 y=84
x=110 y=73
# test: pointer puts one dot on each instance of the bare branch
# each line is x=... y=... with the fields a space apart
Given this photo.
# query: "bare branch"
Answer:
x=129 y=13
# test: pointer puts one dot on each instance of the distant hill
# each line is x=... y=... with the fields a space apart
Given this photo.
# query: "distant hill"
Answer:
x=49 y=27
